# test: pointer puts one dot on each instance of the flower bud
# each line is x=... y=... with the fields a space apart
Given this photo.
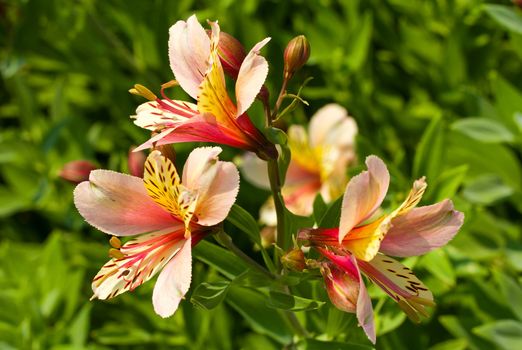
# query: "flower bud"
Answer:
x=231 y=53
x=296 y=54
x=294 y=260
x=77 y=171
x=136 y=162
x=342 y=288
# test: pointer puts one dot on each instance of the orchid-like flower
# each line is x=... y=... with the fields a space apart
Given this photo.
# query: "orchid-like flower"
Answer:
x=169 y=215
x=365 y=235
x=320 y=157
x=195 y=62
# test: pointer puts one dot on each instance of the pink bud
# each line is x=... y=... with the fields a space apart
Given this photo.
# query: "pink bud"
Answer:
x=231 y=53
x=77 y=171
x=296 y=54
x=294 y=260
x=136 y=162
x=342 y=288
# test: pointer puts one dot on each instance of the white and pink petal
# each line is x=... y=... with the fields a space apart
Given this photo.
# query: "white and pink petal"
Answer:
x=251 y=77
x=173 y=282
x=422 y=230
x=364 y=194
x=189 y=51
x=118 y=204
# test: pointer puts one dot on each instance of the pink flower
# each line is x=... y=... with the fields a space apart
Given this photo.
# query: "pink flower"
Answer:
x=195 y=62
x=320 y=158
x=365 y=235
x=168 y=214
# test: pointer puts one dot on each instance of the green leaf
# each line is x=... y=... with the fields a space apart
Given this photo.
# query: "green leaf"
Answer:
x=242 y=219
x=478 y=156
x=283 y=161
x=429 y=151
x=505 y=16
x=209 y=295
x=503 y=333
x=332 y=217
x=359 y=43
x=221 y=259
x=251 y=305
x=449 y=182
x=278 y=300
x=511 y=291
x=78 y=329
x=320 y=207
x=454 y=344
x=295 y=223
x=438 y=264
x=276 y=136
x=485 y=130
x=486 y=190
x=314 y=344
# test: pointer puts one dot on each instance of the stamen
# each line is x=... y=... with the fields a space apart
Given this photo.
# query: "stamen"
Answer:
x=115 y=242
x=116 y=254
x=169 y=84
x=141 y=90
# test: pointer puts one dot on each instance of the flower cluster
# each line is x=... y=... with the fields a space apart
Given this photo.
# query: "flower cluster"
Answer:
x=167 y=214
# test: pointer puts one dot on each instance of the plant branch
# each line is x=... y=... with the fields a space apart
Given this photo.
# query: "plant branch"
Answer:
x=225 y=240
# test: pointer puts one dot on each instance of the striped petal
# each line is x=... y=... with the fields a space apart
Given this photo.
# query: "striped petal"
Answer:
x=399 y=282
x=164 y=187
x=141 y=259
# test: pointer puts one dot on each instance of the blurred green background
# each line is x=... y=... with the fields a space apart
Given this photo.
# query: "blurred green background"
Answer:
x=435 y=86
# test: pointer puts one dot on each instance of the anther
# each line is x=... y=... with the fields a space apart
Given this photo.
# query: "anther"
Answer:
x=141 y=90
x=116 y=254
x=115 y=242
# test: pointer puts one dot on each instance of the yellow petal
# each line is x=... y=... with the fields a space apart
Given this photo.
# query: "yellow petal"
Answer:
x=164 y=187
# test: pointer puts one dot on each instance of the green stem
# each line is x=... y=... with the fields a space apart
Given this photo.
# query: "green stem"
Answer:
x=275 y=186
x=279 y=100
x=226 y=241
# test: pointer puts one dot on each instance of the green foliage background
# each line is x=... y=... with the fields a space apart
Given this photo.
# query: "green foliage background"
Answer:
x=435 y=86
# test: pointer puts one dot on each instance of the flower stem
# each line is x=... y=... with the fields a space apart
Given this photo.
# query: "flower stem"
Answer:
x=225 y=240
x=279 y=100
x=275 y=186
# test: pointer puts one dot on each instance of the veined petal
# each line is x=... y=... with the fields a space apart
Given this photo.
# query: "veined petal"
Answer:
x=156 y=115
x=164 y=187
x=251 y=77
x=142 y=258
x=197 y=129
x=216 y=184
x=173 y=282
x=422 y=230
x=364 y=194
x=189 y=49
x=118 y=204
x=399 y=282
